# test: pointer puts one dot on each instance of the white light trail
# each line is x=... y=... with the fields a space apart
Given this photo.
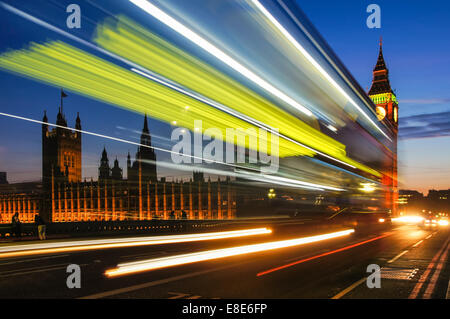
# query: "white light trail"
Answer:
x=305 y=53
x=332 y=128
x=82 y=245
x=288 y=181
x=157 y=263
x=219 y=54
x=258 y=177
x=408 y=219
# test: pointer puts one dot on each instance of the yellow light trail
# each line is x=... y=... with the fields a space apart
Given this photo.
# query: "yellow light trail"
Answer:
x=349 y=162
x=62 y=65
x=157 y=263
x=84 y=245
x=134 y=43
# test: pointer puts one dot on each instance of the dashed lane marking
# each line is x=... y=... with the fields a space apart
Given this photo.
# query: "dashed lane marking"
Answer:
x=397 y=257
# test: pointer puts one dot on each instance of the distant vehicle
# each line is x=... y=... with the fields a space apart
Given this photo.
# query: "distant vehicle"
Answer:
x=434 y=222
x=443 y=221
x=429 y=223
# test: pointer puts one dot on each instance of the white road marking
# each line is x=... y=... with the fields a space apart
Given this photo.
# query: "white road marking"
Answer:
x=447 y=296
x=178 y=295
x=418 y=243
x=397 y=257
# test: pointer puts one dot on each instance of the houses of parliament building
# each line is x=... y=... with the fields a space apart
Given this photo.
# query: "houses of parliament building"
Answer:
x=63 y=196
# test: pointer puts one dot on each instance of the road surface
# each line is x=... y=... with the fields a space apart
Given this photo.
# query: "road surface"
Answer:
x=413 y=264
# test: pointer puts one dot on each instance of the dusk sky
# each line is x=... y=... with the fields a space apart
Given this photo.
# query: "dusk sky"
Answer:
x=415 y=48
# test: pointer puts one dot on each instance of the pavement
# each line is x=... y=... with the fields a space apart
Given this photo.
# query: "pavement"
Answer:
x=413 y=262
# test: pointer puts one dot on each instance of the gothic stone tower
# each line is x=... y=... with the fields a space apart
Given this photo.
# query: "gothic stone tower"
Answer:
x=61 y=150
x=145 y=157
x=104 y=172
x=386 y=104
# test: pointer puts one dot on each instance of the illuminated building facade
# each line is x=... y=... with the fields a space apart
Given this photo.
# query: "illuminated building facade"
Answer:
x=112 y=200
x=64 y=197
x=386 y=104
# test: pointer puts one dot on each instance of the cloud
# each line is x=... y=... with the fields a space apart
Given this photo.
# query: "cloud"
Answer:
x=424 y=125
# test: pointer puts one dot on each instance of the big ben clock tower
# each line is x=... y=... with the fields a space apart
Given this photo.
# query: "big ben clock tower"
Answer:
x=386 y=105
x=382 y=94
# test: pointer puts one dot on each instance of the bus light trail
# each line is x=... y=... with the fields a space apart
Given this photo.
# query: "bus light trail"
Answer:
x=157 y=263
x=83 y=245
x=216 y=52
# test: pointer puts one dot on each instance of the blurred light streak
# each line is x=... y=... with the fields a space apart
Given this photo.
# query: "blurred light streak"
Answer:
x=83 y=245
x=244 y=118
x=408 y=219
x=243 y=174
x=115 y=139
x=63 y=65
x=332 y=128
x=262 y=273
x=344 y=160
x=135 y=67
x=356 y=90
x=62 y=32
x=210 y=48
x=240 y=173
x=152 y=52
x=157 y=263
x=287 y=181
x=237 y=174
x=305 y=53
x=208 y=101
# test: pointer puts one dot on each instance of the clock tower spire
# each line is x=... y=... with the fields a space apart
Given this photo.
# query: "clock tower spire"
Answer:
x=386 y=107
x=382 y=94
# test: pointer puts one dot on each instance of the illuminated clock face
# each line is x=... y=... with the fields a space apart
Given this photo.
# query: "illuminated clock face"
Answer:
x=381 y=113
x=395 y=114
